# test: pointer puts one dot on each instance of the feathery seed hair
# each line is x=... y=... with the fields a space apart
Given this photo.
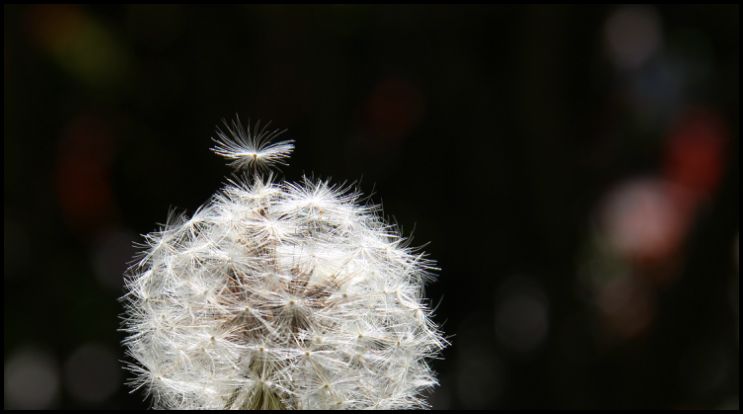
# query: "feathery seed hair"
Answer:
x=251 y=147
x=279 y=295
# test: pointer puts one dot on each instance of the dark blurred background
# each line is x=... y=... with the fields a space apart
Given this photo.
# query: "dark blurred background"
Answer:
x=574 y=168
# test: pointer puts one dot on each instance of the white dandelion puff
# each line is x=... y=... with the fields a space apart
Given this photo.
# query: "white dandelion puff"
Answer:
x=279 y=295
x=251 y=147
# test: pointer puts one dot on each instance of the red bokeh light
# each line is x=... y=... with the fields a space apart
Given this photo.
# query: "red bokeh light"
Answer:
x=694 y=153
x=82 y=177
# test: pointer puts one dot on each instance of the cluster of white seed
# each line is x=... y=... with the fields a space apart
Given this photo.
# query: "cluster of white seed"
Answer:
x=279 y=295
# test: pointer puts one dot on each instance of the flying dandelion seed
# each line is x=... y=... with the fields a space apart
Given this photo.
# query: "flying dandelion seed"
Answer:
x=279 y=295
x=251 y=147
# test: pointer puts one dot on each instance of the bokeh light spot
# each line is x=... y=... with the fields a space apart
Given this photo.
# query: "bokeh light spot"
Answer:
x=92 y=373
x=478 y=377
x=31 y=380
x=633 y=35
x=111 y=254
x=521 y=316
x=83 y=173
x=394 y=108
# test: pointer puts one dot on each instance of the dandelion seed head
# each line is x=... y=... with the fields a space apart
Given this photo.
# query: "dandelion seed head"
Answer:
x=279 y=295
